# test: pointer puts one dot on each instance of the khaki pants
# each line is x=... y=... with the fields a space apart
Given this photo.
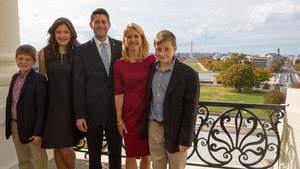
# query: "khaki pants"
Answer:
x=27 y=153
x=159 y=154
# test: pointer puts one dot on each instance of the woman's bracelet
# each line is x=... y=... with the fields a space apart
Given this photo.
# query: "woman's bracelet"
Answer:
x=121 y=122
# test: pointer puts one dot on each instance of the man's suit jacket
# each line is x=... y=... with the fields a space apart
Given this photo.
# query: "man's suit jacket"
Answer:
x=31 y=107
x=180 y=106
x=93 y=89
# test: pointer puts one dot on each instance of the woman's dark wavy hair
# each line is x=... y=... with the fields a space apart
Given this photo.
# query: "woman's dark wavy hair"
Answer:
x=52 y=49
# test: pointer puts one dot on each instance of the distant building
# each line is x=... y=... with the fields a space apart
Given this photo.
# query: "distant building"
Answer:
x=262 y=62
x=294 y=58
x=225 y=57
x=274 y=57
x=217 y=56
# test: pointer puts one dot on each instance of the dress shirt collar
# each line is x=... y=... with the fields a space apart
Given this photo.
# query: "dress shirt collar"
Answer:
x=99 y=42
x=171 y=68
x=24 y=75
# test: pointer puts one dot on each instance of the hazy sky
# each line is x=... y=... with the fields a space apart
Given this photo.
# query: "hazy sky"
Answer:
x=244 y=26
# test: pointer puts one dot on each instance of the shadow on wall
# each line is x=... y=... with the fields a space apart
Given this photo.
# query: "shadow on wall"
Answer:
x=289 y=158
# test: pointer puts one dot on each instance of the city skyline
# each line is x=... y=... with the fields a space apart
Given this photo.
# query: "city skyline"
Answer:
x=250 y=26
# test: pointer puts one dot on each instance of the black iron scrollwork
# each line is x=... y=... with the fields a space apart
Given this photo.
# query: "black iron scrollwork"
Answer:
x=236 y=138
x=231 y=140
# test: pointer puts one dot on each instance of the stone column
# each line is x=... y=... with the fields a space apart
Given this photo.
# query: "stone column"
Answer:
x=9 y=41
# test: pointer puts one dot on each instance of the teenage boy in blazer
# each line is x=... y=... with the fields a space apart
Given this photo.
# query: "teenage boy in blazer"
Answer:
x=173 y=97
x=93 y=91
x=26 y=111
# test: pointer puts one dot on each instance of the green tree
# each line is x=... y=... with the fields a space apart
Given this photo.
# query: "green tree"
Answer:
x=262 y=75
x=182 y=58
x=277 y=88
x=266 y=86
x=238 y=58
x=238 y=76
x=274 y=97
x=217 y=65
x=276 y=66
x=297 y=66
x=227 y=63
x=209 y=64
x=235 y=58
x=271 y=98
x=271 y=69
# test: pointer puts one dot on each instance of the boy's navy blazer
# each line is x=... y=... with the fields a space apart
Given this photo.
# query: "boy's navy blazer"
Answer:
x=93 y=90
x=31 y=107
x=180 y=106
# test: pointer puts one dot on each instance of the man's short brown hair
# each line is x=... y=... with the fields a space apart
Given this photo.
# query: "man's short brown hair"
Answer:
x=99 y=11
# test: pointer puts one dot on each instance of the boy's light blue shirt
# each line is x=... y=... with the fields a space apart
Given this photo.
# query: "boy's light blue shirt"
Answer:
x=159 y=87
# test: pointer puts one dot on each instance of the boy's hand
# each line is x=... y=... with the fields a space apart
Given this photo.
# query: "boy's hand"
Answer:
x=36 y=139
x=122 y=129
x=81 y=124
x=182 y=148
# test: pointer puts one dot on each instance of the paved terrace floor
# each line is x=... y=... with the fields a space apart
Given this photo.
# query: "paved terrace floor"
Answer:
x=80 y=164
x=84 y=164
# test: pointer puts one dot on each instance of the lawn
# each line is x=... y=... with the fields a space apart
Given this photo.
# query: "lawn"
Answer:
x=223 y=94
x=193 y=65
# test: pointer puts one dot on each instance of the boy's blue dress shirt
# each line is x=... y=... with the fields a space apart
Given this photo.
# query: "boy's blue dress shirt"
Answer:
x=159 y=86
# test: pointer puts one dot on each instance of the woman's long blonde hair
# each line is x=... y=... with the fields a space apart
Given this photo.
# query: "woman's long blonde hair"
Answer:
x=144 y=48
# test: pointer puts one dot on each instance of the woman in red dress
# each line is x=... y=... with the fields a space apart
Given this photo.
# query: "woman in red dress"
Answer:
x=130 y=78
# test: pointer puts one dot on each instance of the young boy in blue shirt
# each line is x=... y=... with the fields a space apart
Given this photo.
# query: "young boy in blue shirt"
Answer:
x=25 y=111
x=173 y=98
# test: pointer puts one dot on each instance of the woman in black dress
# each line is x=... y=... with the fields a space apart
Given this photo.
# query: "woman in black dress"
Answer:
x=55 y=62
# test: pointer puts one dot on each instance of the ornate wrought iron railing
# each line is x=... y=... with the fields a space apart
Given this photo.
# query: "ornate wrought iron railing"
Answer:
x=235 y=138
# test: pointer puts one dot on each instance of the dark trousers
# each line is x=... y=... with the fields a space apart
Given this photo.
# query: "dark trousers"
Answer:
x=114 y=140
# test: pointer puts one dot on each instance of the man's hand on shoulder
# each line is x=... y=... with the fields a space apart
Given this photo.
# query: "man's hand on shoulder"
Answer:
x=81 y=124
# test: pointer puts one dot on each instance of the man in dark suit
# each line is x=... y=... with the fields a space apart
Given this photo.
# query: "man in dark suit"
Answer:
x=173 y=97
x=93 y=91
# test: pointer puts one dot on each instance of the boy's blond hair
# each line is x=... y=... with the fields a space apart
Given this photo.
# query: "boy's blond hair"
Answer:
x=144 y=48
x=163 y=36
x=26 y=50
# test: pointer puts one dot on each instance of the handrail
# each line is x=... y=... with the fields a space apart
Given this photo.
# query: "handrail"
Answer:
x=243 y=105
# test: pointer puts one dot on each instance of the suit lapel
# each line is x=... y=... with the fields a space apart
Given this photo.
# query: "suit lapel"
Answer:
x=27 y=80
x=11 y=87
x=175 y=78
x=151 y=73
x=96 y=55
x=113 y=54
